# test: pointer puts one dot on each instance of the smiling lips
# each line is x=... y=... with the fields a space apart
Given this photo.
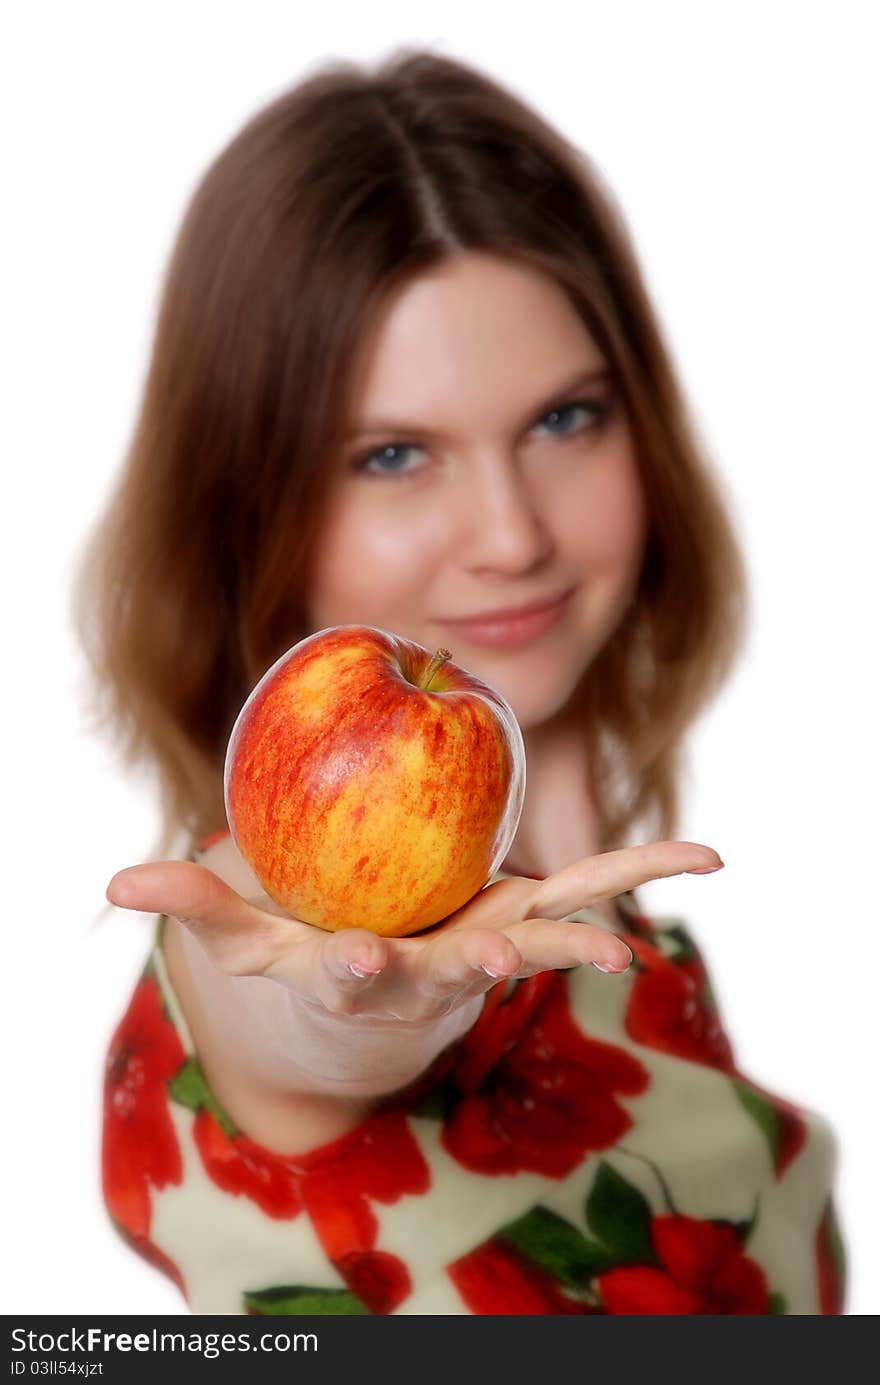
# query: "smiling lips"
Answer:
x=509 y=629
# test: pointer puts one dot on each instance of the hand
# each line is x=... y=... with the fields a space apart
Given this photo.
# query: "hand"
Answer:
x=510 y=928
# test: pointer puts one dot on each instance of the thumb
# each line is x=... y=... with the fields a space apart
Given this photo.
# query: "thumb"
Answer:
x=239 y=937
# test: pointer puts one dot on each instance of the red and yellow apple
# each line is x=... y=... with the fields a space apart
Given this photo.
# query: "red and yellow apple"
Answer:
x=372 y=784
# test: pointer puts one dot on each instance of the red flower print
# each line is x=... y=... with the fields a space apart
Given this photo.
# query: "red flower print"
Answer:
x=238 y=1165
x=154 y=1256
x=671 y=1009
x=139 y=1147
x=702 y=1270
x=497 y=1279
x=380 y=1280
x=379 y=1160
x=667 y=1008
x=531 y=1090
x=782 y=1121
x=830 y=1263
x=792 y=1131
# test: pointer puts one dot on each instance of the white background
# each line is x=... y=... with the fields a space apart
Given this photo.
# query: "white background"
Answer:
x=738 y=139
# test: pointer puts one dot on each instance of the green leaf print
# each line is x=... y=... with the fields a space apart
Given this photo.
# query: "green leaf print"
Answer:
x=761 y=1112
x=190 y=1088
x=435 y=1104
x=686 y=949
x=557 y=1246
x=302 y=1299
x=621 y=1217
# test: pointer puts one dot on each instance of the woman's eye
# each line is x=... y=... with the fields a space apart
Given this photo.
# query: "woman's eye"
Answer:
x=595 y=410
x=390 y=459
x=390 y=454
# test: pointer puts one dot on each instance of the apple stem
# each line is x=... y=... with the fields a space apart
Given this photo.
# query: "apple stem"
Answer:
x=436 y=663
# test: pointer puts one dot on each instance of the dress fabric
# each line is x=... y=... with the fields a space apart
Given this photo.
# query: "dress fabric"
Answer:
x=589 y=1146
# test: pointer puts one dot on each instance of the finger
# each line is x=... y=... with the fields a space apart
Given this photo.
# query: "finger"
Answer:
x=466 y=961
x=494 y=906
x=332 y=969
x=545 y=944
x=238 y=937
x=614 y=872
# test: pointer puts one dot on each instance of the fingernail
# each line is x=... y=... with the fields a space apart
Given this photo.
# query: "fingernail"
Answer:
x=614 y=966
x=496 y=975
x=705 y=870
x=363 y=971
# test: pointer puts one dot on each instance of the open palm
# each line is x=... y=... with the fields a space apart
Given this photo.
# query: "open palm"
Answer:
x=510 y=928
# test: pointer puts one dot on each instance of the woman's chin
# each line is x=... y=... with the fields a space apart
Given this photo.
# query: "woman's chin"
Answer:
x=533 y=706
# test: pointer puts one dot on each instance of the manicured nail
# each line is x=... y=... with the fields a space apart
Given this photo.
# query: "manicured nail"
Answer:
x=614 y=966
x=363 y=971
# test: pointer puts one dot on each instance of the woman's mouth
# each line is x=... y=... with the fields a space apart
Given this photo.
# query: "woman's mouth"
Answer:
x=498 y=630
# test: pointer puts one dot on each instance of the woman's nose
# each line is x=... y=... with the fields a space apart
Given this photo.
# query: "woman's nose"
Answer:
x=502 y=523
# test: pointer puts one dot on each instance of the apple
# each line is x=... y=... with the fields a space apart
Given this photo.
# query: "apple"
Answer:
x=371 y=784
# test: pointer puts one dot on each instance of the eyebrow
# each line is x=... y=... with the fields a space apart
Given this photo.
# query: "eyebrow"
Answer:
x=400 y=427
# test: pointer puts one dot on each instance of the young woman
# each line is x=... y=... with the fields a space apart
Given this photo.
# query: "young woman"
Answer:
x=406 y=375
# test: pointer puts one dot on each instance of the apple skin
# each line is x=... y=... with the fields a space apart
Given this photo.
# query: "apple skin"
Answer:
x=361 y=800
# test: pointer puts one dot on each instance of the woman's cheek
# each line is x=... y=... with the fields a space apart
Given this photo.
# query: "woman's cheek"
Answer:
x=608 y=521
x=368 y=562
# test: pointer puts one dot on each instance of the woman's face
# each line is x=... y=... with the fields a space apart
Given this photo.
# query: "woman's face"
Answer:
x=489 y=466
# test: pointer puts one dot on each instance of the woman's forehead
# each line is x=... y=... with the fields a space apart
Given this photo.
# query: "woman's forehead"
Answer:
x=465 y=328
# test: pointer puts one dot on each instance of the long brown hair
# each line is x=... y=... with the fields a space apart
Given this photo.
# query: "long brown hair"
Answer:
x=193 y=581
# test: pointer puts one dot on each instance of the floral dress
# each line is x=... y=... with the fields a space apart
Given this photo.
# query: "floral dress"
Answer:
x=589 y=1146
